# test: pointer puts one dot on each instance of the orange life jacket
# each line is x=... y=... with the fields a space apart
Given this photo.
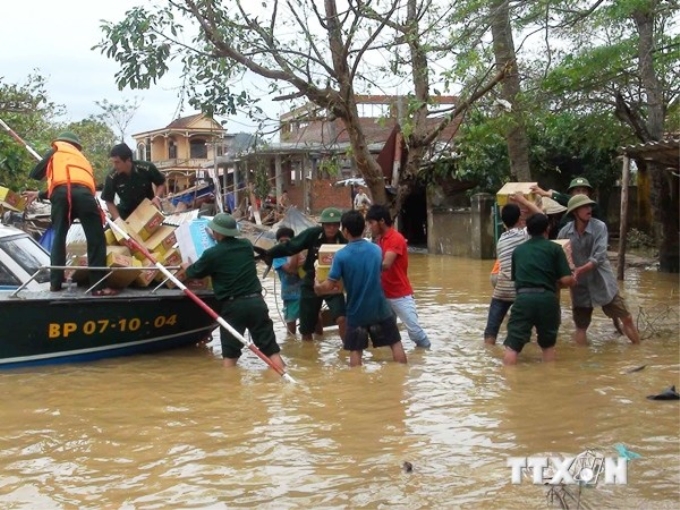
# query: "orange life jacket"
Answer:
x=68 y=166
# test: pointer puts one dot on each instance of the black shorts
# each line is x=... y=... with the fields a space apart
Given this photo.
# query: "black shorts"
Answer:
x=381 y=334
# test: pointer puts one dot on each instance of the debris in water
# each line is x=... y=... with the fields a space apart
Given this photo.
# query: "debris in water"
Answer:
x=407 y=466
x=626 y=453
x=667 y=394
x=636 y=369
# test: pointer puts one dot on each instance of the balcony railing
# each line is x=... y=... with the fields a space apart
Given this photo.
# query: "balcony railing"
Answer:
x=180 y=163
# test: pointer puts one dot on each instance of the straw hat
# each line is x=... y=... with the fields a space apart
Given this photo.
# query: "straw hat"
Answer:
x=550 y=206
x=578 y=201
x=224 y=224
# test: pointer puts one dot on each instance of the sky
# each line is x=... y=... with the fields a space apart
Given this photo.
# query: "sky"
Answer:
x=55 y=39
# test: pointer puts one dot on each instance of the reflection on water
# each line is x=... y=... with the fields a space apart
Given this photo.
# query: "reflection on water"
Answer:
x=176 y=430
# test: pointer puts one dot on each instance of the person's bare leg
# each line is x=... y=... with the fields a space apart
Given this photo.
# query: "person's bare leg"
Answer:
x=549 y=354
x=342 y=326
x=319 y=325
x=277 y=360
x=398 y=353
x=291 y=328
x=630 y=330
x=229 y=362
x=510 y=356
x=490 y=340
x=355 y=358
x=580 y=337
x=308 y=338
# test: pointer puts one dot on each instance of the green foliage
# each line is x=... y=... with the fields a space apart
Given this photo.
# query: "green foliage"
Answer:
x=97 y=139
x=25 y=108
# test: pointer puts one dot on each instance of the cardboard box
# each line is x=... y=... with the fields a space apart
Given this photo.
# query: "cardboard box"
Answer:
x=162 y=240
x=145 y=220
x=11 y=200
x=193 y=239
x=513 y=187
x=327 y=252
x=566 y=246
x=122 y=224
x=121 y=279
x=169 y=258
x=145 y=277
x=110 y=237
x=322 y=271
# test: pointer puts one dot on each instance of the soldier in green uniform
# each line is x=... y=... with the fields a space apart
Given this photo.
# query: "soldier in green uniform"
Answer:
x=577 y=186
x=231 y=265
x=132 y=181
x=538 y=267
x=311 y=239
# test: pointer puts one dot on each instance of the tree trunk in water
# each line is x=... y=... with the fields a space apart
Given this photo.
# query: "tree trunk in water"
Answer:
x=664 y=187
x=505 y=56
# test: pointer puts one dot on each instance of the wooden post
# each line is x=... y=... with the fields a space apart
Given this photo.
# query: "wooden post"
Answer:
x=623 y=228
x=278 y=176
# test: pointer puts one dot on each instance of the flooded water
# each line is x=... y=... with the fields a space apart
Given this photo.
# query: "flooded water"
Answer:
x=176 y=430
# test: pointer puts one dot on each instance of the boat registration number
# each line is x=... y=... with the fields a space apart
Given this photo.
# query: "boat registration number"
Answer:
x=100 y=326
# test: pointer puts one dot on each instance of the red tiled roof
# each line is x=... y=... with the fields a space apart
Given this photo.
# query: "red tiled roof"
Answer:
x=184 y=122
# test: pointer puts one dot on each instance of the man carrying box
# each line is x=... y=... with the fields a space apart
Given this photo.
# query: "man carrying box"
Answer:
x=231 y=266
x=368 y=313
x=596 y=283
x=132 y=181
x=311 y=240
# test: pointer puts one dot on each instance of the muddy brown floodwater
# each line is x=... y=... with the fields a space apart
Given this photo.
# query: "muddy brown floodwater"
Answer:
x=176 y=430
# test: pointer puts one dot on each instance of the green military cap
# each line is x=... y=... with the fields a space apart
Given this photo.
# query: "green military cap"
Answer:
x=70 y=137
x=224 y=224
x=579 y=182
x=330 y=215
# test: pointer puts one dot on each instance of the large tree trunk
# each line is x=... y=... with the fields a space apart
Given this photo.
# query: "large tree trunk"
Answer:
x=664 y=187
x=505 y=56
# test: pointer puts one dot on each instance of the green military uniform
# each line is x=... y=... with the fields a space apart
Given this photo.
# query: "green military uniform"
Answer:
x=231 y=265
x=537 y=265
x=310 y=304
x=132 y=189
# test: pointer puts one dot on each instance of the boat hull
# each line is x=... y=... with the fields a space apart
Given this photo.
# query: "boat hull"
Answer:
x=63 y=329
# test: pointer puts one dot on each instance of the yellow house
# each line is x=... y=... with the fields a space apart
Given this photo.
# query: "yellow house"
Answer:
x=182 y=148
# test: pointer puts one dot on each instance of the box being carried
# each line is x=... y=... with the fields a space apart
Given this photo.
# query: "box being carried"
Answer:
x=566 y=247
x=193 y=239
x=144 y=220
x=322 y=271
x=11 y=200
x=327 y=252
x=513 y=187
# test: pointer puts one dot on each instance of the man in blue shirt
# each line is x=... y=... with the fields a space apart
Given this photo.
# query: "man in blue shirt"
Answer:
x=369 y=314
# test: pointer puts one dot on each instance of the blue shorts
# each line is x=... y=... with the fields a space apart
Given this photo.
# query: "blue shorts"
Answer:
x=291 y=310
x=381 y=333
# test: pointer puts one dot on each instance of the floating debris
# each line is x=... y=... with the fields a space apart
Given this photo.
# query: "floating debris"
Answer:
x=407 y=467
x=636 y=369
x=667 y=394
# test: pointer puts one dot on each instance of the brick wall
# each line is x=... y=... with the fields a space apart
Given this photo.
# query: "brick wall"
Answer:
x=321 y=195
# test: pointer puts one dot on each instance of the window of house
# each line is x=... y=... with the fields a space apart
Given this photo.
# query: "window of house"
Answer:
x=172 y=150
x=373 y=111
x=198 y=149
x=141 y=152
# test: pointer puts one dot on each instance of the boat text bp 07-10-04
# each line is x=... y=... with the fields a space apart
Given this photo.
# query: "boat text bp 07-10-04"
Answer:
x=39 y=327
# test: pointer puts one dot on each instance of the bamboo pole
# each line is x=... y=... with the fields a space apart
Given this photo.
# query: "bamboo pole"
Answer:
x=623 y=227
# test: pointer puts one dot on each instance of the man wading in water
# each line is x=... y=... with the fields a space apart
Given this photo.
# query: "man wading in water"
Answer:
x=538 y=267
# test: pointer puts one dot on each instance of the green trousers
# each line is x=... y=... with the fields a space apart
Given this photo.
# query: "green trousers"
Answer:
x=83 y=206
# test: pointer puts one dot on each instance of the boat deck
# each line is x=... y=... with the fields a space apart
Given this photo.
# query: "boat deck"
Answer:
x=79 y=294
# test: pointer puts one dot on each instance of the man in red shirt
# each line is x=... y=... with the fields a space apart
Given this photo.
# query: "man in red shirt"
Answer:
x=394 y=277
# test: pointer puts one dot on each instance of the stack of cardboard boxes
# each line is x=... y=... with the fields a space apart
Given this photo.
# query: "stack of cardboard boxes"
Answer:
x=11 y=200
x=145 y=226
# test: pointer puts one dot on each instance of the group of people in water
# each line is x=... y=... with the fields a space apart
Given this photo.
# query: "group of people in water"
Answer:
x=531 y=270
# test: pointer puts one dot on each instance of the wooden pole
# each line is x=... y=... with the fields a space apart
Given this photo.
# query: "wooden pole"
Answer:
x=623 y=228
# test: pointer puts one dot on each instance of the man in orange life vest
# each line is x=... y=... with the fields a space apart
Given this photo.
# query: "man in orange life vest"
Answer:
x=71 y=190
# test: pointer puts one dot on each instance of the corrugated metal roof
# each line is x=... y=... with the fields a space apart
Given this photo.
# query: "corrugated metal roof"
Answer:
x=665 y=152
